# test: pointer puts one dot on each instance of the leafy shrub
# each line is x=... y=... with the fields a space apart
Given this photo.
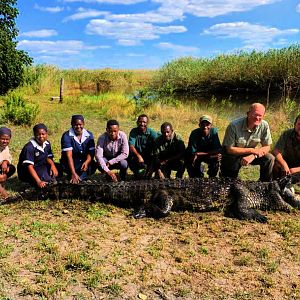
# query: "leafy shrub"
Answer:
x=19 y=112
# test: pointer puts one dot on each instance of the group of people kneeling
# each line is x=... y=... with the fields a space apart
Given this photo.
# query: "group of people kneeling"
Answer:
x=147 y=152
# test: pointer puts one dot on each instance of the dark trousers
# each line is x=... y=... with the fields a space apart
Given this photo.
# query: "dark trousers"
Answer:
x=121 y=165
x=82 y=174
x=230 y=166
x=197 y=170
x=137 y=168
x=176 y=165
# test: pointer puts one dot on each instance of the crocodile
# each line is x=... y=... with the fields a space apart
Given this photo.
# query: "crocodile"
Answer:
x=156 y=198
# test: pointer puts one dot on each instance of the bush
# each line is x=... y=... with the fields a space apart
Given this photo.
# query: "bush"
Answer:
x=17 y=111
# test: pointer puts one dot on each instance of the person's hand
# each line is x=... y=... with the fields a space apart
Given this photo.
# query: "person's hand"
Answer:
x=75 y=179
x=260 y=152
x=41 y=184
x=140 y=158
x=53 y=171
x=4 y=167
x=246 y=160
x=84 y=166
x=194 y=160
x=163 y=162
x=113 y=176
x=217 y=157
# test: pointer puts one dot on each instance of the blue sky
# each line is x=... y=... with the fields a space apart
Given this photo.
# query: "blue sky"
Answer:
x=145 y=34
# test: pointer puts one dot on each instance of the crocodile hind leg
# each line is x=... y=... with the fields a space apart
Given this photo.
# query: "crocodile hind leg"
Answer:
x=245 y=204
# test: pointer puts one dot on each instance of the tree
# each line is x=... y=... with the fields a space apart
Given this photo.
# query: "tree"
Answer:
x=12 y=61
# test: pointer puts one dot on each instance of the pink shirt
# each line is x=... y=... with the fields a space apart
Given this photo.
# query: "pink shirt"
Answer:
x=111 y=151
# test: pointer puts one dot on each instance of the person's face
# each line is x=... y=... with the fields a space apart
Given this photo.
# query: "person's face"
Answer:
x=4 y=140
x=77 y=126
x=142 y=123
x=167 y=133
x=297 y=127
x=255 y=116
x=113 y=132
x=205 y=127
x=41 y=136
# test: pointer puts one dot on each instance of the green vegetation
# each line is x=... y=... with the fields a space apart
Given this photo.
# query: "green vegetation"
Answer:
x=45 y=79
x=12 y=61
x=18 y=111
x=273 y=71
x=71 y=249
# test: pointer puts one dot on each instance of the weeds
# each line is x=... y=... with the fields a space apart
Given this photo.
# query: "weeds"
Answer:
x=17 y=111
x=257 y=72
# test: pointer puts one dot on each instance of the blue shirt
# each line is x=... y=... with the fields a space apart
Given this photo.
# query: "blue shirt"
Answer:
x=80 y=149
x=36 y=155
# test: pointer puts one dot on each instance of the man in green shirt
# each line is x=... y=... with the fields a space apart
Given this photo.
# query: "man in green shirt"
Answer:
x=141 y=143
x=169 y=152
x=240 y=144
x=287 y=151
x=204 y=147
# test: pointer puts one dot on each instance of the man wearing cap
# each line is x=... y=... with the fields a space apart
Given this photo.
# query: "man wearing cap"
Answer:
x=240 y=143
x=204 y=146
x=6 y=168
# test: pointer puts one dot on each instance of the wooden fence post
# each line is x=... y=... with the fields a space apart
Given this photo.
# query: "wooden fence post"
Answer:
x=61 y=90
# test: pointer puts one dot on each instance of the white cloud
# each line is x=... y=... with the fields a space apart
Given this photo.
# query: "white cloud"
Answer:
x=130 y=33
x=55 y=9
x=177 y=48
x=170 y=10
x=83 y=13
x=57 y=47
x=108 y=1
x=298 y=8
x=252 y=35
x=39 y=33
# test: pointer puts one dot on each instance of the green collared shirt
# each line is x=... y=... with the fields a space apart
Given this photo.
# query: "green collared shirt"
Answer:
x=238 y=135
x=142 y=141
x=289 y=147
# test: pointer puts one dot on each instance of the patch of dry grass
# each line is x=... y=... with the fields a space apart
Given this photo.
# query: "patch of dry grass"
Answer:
x=80 y=250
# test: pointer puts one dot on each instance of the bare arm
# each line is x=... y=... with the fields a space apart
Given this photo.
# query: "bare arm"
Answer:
x=238 y=151
x=134 y=151
x=75 y=178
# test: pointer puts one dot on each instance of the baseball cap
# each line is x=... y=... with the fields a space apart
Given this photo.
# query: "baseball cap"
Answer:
x=206 y=118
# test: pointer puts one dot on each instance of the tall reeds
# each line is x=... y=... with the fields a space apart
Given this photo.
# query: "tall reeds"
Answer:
x=276 y=70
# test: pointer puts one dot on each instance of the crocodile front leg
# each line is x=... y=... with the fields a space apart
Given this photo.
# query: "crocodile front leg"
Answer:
x=245 y=204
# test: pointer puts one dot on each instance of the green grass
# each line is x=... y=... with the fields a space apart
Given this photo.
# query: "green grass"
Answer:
x=81 y=250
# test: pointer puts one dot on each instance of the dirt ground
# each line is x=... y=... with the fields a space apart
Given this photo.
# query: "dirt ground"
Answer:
x=82 y=250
